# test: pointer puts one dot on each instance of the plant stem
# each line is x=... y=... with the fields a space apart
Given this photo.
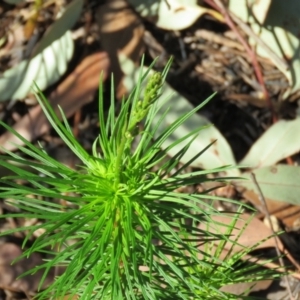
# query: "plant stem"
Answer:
x=120 y=153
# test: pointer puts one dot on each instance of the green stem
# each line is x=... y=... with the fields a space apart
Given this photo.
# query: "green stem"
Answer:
x=119 y=160
x=139 y=112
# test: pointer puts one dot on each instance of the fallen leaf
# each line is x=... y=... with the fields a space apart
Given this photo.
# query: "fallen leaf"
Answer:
x=45 y=68
x=276 y=143
x=239 y=288
x=279 y=183
x=74 y=92
x=247 y=233
x=9 y=272
x=181 y=14
x=65 y=22
x=173 y=14
x=48 y=61
x=288 y=214
x=121 y=32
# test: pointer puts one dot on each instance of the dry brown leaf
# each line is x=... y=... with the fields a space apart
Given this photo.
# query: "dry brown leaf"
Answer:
x=9 y=272
x=239 y=288
x=121 y=31
x=252 y=234
x=287 y=213
x=250 y=237
x=74 y=92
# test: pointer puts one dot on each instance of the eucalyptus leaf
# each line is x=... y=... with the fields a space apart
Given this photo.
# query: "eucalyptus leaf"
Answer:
x=278 y=142
x=217 y=155
x=49 y=58
x=280 y=183
x=45 y=69
x=178 y=15
x=65 y=22
x=173 y=14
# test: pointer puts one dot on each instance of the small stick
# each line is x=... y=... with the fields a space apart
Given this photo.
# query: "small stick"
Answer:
x=264 y=204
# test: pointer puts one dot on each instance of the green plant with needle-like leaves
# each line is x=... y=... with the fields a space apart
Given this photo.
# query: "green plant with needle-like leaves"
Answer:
x=117 y=223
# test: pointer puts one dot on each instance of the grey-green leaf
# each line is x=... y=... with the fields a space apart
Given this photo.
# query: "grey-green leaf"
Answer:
x=49 y=59
x=278 y=142
x=280 y=183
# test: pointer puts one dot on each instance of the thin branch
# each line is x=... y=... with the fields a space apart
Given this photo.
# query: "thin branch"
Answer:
x=266 y=211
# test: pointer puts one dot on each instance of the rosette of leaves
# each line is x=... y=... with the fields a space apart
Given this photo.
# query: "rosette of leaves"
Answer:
x=116 y=223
